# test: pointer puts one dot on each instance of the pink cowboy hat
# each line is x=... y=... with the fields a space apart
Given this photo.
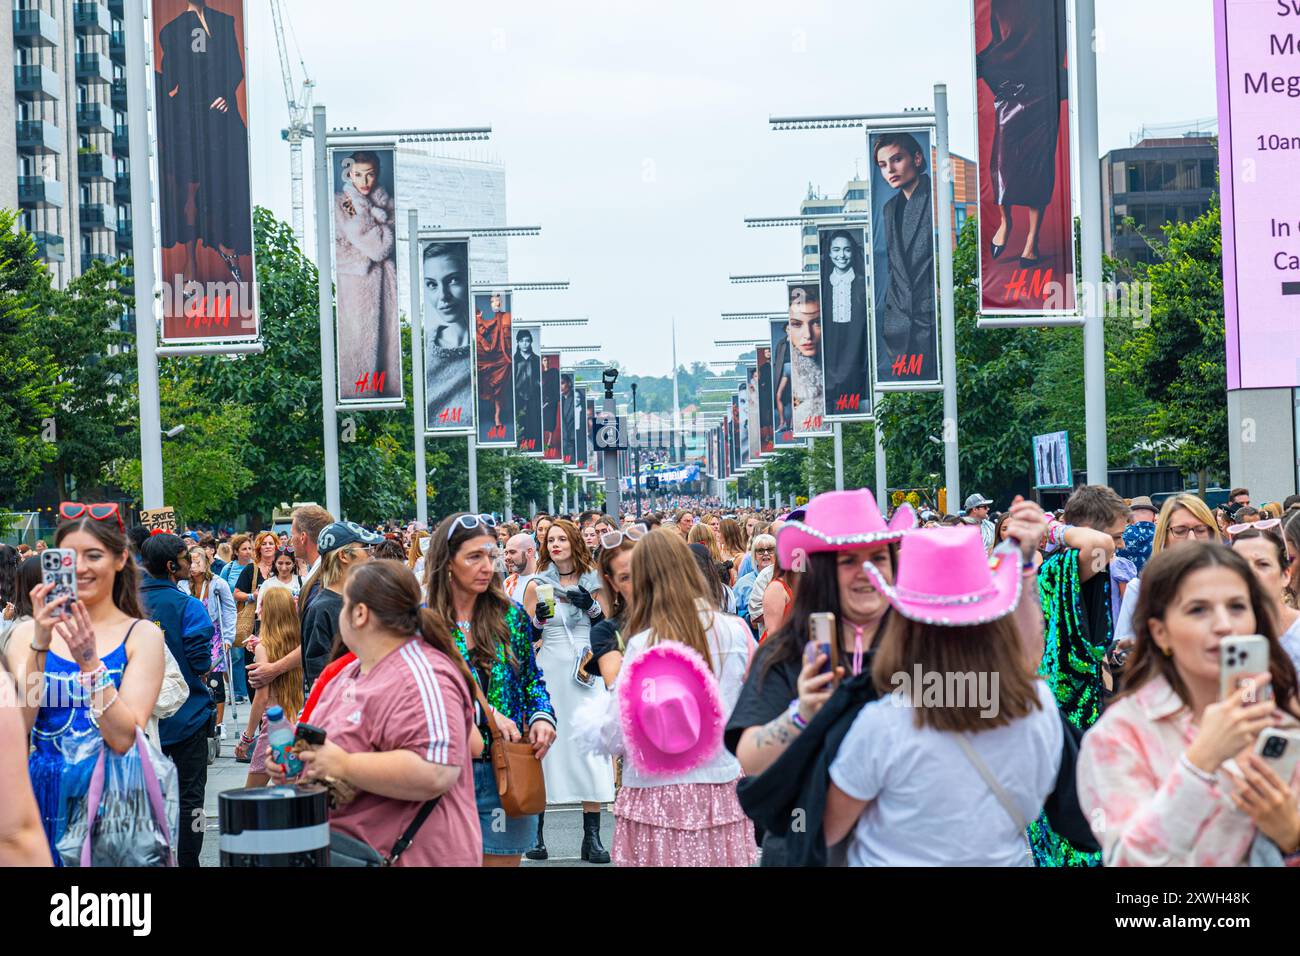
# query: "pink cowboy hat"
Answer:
x=841 y=521
x=945 y=577
x=670 y=710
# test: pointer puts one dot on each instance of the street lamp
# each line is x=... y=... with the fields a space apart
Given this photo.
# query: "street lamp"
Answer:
x=174 y=432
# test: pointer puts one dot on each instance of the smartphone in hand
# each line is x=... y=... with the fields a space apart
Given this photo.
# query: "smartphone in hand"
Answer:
x=1281 y=748
x=1241 y=658
x=821 y=640
x=59 y=567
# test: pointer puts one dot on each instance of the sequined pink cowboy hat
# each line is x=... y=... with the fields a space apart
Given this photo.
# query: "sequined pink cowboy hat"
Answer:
x=945 y=577
x=840 y=521
x=670 y=710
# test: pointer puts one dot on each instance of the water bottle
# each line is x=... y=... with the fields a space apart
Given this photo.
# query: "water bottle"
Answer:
x=279 y=734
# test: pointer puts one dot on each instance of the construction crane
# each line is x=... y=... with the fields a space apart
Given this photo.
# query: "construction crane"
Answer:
x=299 y=118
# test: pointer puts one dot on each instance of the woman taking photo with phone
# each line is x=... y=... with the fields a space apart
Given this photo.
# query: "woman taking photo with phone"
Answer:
x=495 y=638
x=1168 y=776
x=399 y=726
x=572 y=775
x=678 y=805
x=98 y=664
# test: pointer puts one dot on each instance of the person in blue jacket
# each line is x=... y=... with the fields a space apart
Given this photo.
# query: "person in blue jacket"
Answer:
x=187 y=629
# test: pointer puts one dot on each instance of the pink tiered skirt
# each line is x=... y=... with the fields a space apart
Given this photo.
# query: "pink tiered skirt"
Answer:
x=687 y=824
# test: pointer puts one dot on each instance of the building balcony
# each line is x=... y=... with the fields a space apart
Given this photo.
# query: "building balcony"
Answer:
x=125 y=236
x=33 y=28
x=121 y=141
x=107 y=258
x=39 y=138
x=49 y=246
x=94 y=118
x=119 y=95
x=122 y=191
x=117 y=47
x=37 y=83
x=40 y=192
x=98 y=216
x=94 y=68
x=95 y=168
x=91 y=19
x=117 y=8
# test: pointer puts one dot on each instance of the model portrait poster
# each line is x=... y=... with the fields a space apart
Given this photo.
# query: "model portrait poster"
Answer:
x=568 y=440
x=782 y=388
x=845 y=329
x=737 y=455
x=766 y=445
x=527 y=370
x=580 y=455
x=493 y=351
x=755 y=416
x=742 y=422
x=1022 y=124
x=1052 y=461
x=905 y=304
x=448 y=347
x=594 y=458
x=368 y=332
x=803 y=332
x=552 y=438
x=205 y=205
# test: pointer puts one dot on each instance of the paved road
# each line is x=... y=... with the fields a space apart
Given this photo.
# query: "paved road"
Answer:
x=563 y=824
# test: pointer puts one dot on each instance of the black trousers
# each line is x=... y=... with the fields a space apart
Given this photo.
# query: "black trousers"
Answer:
x=191 y=759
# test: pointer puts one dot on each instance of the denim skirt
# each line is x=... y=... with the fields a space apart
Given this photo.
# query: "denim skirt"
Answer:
x=502 y=835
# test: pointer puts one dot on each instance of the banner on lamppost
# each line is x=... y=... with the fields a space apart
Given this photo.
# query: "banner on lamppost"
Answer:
x=1256 y=45
x=493 y=342
x=448 y=341
x=1052 y=461
x=580 y=431
x=905 y=326
x=552 y=405
x=205 y=206
x=845 y=325
x=527 y=370
x=568 y=440
x=594 y=458
x=803 y=332
x=766 y=444
x=1022 y=125
x=782 y=388
x=736 y=454
x=367 y=328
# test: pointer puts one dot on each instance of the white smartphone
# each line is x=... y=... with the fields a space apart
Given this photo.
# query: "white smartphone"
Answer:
x=821 y=640
x=59 y=567
x=1240 y=658
x=1281 y=748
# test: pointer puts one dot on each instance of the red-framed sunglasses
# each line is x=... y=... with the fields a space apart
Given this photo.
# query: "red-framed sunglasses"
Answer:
x=104 y=511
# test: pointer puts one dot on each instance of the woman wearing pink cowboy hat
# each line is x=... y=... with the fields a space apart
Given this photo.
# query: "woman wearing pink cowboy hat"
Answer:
x=681 y=676
x=963 y=747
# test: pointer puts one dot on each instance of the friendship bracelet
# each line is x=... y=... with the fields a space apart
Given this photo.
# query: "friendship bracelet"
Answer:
x=99 y=712
x=90 y=679
x=1196 y=771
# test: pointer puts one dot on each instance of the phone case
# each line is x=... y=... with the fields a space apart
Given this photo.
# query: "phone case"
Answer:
x=1242 y=656
x=59 y=567
x=1281 y=748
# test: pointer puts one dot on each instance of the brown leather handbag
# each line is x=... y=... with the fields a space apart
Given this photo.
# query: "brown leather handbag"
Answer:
x=520 y=784
x=247 y=615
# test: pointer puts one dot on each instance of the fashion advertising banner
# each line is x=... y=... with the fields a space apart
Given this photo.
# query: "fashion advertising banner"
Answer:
x=552 y=402
x=581 y=458
x=1259 y=164
x=493 y=353
x=1022 y=122
x=782 y=388
x=845 y=326
x=448 y=347
x=752 y=409
x=766 y=444
x=205 y=203
x=803 y=332
x=568 y=439
x=736 y=435
x=1052 y=461
x=367 y=328
x=593 y=457
x=905 y=326
x=742 y=424
x=526 y=365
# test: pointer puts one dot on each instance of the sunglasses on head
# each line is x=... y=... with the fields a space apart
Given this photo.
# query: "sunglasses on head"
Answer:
x=612 y=539
x=470 y=522
x=1264 y=525
x=105 y=511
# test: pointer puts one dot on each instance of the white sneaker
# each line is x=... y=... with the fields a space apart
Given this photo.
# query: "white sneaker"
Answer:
x=221 y=731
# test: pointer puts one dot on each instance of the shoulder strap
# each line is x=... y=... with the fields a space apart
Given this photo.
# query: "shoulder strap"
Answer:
x=982 y=768
x=409 y=833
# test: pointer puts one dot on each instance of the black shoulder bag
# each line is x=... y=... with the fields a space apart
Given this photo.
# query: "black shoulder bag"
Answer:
x=349 y=851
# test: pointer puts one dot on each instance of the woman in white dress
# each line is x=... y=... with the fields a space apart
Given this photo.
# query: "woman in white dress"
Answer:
x=572 y=774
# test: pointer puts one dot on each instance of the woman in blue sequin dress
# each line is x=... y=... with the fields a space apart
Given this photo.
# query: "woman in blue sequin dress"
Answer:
x=96 y=671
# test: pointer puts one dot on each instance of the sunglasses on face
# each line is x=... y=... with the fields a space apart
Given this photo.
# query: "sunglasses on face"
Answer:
x=470 y=522
x=105 y=511
x=612 y=539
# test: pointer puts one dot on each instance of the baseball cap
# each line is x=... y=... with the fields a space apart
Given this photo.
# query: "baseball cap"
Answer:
x=341 y=533
x=977 y=501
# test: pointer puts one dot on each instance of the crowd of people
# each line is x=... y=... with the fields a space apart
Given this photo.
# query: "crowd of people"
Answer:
x=834 y=685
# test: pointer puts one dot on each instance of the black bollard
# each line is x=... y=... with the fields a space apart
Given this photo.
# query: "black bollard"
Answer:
x=275 y=826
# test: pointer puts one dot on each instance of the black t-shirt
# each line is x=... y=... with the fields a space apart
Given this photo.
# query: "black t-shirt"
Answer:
x=245 y=580
x=604 y=640
x=765 y=695
x=319 y=627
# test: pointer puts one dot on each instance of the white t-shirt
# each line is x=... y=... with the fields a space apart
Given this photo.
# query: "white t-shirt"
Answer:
x=293 y=585
x=1124 y=623
x=929 y=806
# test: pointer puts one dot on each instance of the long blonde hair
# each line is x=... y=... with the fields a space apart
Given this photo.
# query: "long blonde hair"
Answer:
x=669 y=592
x=414 y=554
x=279 y=636
x=1186 y=502
x=703 y=534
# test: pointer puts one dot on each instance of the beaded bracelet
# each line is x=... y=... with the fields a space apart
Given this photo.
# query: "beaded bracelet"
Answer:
x=99 y=712
x=1196 y=771
x=93 y=680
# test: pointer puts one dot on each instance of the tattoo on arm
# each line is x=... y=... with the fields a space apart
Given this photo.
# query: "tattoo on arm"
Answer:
x=778 y=732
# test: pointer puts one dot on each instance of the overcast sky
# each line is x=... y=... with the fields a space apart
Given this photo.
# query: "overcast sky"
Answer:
x=636 y=134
